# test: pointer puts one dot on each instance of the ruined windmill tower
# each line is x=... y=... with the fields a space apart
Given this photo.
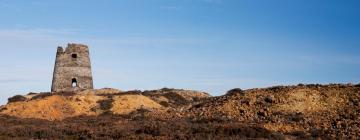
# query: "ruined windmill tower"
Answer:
x=72 y=69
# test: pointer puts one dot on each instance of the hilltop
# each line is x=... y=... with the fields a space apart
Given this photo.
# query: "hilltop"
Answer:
x=59 y=106
x=281 y=112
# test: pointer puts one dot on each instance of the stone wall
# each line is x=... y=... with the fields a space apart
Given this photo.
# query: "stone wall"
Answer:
x=72 y=69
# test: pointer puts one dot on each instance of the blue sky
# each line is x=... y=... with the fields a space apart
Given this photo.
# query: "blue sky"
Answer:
x=207 y=45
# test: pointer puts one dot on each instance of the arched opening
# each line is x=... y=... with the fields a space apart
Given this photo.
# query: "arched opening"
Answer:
x=74 y=82
x=74 y=55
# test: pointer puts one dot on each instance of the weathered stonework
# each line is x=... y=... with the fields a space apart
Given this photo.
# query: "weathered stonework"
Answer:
x=72 y=69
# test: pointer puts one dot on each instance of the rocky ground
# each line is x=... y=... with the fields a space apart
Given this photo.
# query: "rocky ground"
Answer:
x=282 y=112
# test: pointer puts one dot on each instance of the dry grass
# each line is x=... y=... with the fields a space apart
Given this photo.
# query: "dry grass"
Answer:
x=128 y=103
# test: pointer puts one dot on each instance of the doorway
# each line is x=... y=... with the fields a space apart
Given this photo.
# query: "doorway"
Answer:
x=74 y=83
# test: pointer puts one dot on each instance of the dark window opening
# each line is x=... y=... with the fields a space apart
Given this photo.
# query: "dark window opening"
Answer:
x=74 y=55
x=74 y=82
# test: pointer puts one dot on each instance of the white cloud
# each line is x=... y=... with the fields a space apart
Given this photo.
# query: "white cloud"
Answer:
x=31 y=37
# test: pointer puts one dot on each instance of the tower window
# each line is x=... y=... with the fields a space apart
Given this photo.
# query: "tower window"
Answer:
x=74 y=82
x=74 y=55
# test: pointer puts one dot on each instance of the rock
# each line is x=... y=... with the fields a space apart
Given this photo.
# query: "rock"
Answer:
x=269 y=99
x=236 y=91
x=17 y=98
x=297 y=117
x=2 y=108
x=301 y=85
x=357 y=85
x=32 y=93
x=262 y=113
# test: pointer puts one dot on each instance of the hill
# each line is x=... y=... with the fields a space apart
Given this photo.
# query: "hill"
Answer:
x=281 y=112
x=59 y=106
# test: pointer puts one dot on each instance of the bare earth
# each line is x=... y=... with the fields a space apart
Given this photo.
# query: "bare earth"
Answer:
x=282 y=112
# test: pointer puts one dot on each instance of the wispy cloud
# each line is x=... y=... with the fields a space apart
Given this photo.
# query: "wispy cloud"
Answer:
x=10 y=80
x=32 y=37
x=37 y=31
x=41 y=37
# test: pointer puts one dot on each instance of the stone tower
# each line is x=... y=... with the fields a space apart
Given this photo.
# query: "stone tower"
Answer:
x=72 y=69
